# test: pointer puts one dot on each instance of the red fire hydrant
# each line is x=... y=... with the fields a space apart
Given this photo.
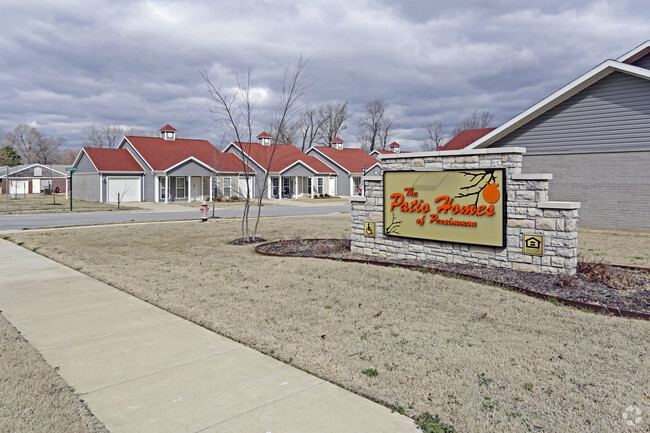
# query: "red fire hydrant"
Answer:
x=204 y=211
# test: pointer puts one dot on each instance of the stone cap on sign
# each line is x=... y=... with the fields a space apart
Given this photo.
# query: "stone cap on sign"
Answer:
x=373 y=178
x=358 y=199
x=463 y=152
x=542 y=176
x=559 y=205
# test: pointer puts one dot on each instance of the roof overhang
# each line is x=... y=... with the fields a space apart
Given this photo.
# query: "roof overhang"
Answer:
x=240 y=149
x=376 y=164
x=635 y=54
x=299 y=162
x=571 y=89
x=126 y=140
x=191 y=158
x=122 y=172
x=329 y=159
x=78 y=158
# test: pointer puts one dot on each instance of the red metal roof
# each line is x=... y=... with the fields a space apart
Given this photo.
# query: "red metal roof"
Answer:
x=394 y=144
x=465 y=138
x=167 y=127
x=264 y=134
x=336 y=140
x=163 y=154
x=113 y=159
x=281 y=157
x=351 y=159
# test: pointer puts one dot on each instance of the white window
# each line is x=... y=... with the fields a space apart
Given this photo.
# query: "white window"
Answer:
x=227 y=190
x=180 y=187
x=319 y=186
x=38 y=172
x=356 y=190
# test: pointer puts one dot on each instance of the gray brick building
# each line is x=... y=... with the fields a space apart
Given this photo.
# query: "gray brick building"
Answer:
x=593 y=135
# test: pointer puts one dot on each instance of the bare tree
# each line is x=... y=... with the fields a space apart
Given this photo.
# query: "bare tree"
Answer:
x=375 y=126
x=333 y=116
x=24 y=139
x=435 y=135
x=309 y=127
x=119 y=196
x=32 y=146
x=68 y=155
x=287 y=135
x=109 y=136
x=237 y=113
x=476 y=120
x=48 y=150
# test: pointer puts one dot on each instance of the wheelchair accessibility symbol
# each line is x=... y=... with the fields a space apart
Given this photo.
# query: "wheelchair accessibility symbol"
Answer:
x=369 y=229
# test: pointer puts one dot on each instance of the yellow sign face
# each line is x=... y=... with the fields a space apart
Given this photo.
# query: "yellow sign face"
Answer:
x=369 y=229
x=462 y=206
x=533 y=245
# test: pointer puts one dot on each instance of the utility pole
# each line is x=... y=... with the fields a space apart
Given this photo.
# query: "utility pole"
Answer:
x=7 y=189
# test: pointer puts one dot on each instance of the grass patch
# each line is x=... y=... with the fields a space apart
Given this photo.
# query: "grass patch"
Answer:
x=432 y=424
x=37 y=203
x=428 y=324
x=371 y=372
x=33 y=397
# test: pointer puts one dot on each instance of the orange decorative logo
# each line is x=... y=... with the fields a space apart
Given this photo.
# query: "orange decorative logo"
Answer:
x=491 y=192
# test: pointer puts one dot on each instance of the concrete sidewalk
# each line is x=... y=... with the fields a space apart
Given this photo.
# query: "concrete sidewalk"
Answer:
x=142 y=369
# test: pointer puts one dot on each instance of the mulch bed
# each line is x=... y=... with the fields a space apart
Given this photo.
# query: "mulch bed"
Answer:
x=608 y=289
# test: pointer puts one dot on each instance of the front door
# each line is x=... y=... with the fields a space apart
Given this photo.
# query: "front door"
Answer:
x=286 y=187
x=275 y=187
x=196 y=189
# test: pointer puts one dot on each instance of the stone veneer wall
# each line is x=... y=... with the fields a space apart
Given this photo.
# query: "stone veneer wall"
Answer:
x=528 y=212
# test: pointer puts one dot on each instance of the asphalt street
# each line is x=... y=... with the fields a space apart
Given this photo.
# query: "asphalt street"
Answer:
x=31 y=221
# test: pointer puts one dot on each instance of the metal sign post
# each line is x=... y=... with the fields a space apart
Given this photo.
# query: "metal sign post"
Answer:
x=71 y=170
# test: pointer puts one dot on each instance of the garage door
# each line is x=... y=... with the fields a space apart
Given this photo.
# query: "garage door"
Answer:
x=128 y=189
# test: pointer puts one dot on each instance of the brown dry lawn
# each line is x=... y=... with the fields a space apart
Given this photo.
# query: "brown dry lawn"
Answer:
x=33 y=397
x=33 y=203
x=483 y=358
x=616 y=247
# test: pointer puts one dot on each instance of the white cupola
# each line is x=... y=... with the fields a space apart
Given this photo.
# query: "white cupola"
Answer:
x=264 y=138
x=337 y=143
x=168 y=132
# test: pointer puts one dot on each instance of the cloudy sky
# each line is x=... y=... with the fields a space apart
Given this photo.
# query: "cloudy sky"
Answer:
x=67 y=65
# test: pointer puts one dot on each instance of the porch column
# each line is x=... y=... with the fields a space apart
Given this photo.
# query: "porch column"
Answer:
x=351 y=178
x=156 y=185
x=67 y=187
x=188 y=189
x=281 y=192
x=166 y=189
x=313 y=185
x=296 y=192
x=269 y=188
x=211 y=189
